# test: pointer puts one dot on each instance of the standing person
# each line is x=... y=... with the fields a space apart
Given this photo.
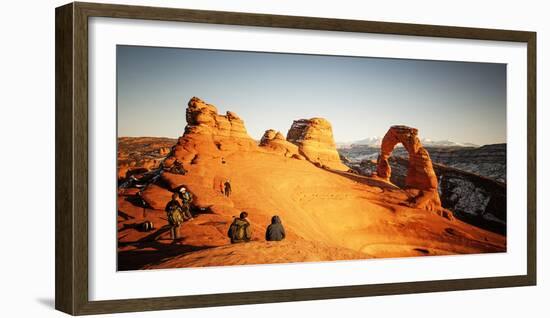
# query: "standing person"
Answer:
x=186 y=199
x=174 y=211
x=227 y=188
x=275 y=231
x=239 y=230
x=222 y=187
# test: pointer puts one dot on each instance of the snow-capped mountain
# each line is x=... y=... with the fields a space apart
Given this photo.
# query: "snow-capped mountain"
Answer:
x=370 y=141
x=426 y=142
x=445 y=143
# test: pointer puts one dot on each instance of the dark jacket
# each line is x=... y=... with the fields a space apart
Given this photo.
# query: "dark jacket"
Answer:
x=239 y=227
x=275 y=231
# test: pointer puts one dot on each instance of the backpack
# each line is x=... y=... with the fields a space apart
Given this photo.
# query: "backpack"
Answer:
x=239 y=231
x=186 y=198
x=186 y=213
x=147 y=226
x=175 y=216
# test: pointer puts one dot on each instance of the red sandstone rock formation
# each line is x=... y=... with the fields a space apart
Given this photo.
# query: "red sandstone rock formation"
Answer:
x=420 y=174
x=213 y=140
x=271 y=135
x=276 y=142
x=156 y=197
x=164 y=151
x=315 y=142
x=209 y=133
x=209 y=141
x=203 y=119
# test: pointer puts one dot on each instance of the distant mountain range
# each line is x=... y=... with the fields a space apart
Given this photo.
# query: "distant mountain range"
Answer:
x=377 y=141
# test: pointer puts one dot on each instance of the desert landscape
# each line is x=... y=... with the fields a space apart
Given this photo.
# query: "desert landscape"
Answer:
x=394 y=197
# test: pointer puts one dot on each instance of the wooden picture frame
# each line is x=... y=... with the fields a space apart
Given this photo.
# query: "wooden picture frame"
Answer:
x=71 y=90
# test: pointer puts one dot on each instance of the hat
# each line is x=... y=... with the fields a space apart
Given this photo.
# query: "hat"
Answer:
x=182 y=189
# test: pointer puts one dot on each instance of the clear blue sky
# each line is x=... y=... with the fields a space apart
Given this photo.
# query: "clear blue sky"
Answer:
x=361 y=97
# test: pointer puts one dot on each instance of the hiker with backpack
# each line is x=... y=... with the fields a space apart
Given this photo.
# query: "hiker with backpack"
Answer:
x=275 y=231
x=186 y=199
x=227 y=188
x=174 y=212
x=239 y=230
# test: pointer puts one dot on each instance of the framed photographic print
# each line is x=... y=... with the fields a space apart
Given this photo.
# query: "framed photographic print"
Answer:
x=211 y=158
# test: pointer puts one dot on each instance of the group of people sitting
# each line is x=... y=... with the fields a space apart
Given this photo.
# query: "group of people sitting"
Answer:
x=239 y=231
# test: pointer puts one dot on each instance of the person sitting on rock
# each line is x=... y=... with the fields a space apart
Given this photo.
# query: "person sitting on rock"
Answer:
x=186 y=199
x=239 y=230
x=174 y=212
x=275 y=231
x=227 y=188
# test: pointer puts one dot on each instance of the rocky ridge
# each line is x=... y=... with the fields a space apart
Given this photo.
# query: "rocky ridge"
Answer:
x=488 y=161
x=138 y=155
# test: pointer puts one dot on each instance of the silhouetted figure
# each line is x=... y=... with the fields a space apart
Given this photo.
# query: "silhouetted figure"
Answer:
x=174 y=212
x=227 y=188
x=275 y=231
x=240 y=231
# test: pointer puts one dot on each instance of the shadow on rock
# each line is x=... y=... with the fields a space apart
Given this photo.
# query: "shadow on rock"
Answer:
x=152 y=252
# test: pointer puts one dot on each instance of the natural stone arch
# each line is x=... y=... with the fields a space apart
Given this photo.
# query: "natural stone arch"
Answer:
x=420 y=173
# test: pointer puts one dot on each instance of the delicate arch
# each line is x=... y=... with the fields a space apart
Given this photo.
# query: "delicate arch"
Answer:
x=420 y=173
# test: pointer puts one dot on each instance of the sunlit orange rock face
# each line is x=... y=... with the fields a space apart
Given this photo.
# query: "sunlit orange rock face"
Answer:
x=420 y=174
x=315 y=141
x=276 y=142
x=207 y=132
x=203 y=118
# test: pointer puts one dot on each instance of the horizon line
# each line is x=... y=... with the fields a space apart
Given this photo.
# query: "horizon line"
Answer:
x=352 y=143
